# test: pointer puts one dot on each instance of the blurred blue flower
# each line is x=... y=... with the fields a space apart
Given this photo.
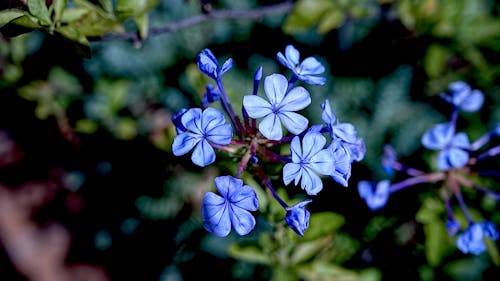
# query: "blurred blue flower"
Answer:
x=346 y=132
x=305 y=71
x=211 y=95
x=201 y=127
x=376 y=196
x=176 y=119
x=463 y=97
x=389 y=160
x=297 y=217
x=308 y=161
x=341 y=162
x=452 y=226
x=453 y=146
x=208 y=64
x=471 y=240
x=232 y=208
x=279 y=109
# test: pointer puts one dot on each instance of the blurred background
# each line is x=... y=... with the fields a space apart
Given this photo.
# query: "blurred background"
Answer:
x=89 y=188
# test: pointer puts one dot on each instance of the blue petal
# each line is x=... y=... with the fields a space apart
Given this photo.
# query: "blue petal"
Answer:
x=192 y=120
x=226 y=66
x=471 y=241
x=270 y=127
x=226 y=185
x=243 y=222
x=207 y=63
x=211 y=118
x=203 y=154
x=296 y=150
x=291 y=171
x=294 y=122
x=221 y=134
x=365 y=189
x=256 y=106
x=327 y=115
x=311 y=182
x=452 y=158
x=473 y=102
x=215 y=213
x=322 y=162
x=460 y=140
x=312 y=143
x=438 y=137
x=346 y=132
x=489 y=230
x=184 y=142
x=313 y=80
x=311 y=66
x=297 y=217
x=284 y=61
x=275 y=86
x=298 y=98
x=176 y=119
x=245 y=198
x=292 y=55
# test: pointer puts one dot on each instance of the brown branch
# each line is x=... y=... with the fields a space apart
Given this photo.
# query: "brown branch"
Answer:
x=254 y=14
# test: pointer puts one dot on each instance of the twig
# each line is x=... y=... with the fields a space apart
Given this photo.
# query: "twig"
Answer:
x=255 y=14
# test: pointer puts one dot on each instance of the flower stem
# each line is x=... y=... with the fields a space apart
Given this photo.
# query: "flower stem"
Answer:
x=494 y=151
x=456 y=190
x=434 y=177
x=265 y=181
x=226 y=105
x=244 y=161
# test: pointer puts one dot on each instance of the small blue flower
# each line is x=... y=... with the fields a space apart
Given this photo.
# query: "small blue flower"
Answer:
x=279 y=109
x=202 y=127
x=345 y=132
x=389 y=159
x=342 y=163
x=208 y=64
x=232 y=208
x=453 y=146
x=376 y=196
x=176 y=119
x=308 y=161
x=305 y=71
x=471 y=240
x=462 y=96
x=452 y=226
x=211 y=95
x=297 y=217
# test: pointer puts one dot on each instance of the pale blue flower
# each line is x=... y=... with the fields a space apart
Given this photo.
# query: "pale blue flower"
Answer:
x=375 y=195
x=345 y=132
x=463 y=97
x=231 y=209
x=297 y=217
x=307 y=70
x=308 y=161
x=208 y=64
x=341 y=162
x=454 y=147
x=471 y=240
x=279 y=109
x=201 y=129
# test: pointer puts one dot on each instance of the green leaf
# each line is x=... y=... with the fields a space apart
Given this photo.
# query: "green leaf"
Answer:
x=73 y=34
x=435 y=61
x=307 y=250
x=73 y=14
x=321 y=224
x=331 y=20
x=7 y=16
x=306 y=14
x=142 y=22
x=59 y=6
x=249 y=253
x=38 y=9
x=437 y=242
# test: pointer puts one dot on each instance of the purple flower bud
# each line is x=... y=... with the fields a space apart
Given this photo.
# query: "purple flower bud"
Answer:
x=297 y=217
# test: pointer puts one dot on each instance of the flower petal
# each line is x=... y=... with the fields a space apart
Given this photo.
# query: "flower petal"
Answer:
x=291 y=171
x=242 y=220
x=203 y=154
x=311 y=182
x=438 y=137
x=294 y=122
x=191 y=120
x=311 y=66
x=473 y=101
x=292 y=54
x=226 y=185
x=226 y=66
x=184 y=142
x=460 y=140
x=211 y=118
x=207 y=63
x=275 y=86
x=270 y=127
x=312 y=143
x=245 y=198
x=296 y=149
x=322 y=162
x=296 y=99
x=327 y=115
x=256 y=106
x=221 y=134
x=215 y=213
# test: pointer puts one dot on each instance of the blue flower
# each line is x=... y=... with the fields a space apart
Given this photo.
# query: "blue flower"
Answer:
x=453 y=146
x=232 y=208
x=471 y=240
x=308 y=162
x=208 y=64
x=462 y=96
x=297 y=217
x=345 y=132
x=305 y=71
x=202 y=127
x=342 y=163
x=211 y=95
x=452 y=226
x=279 y=109
x=176 y=119
x=389 y=160
x=376 y=196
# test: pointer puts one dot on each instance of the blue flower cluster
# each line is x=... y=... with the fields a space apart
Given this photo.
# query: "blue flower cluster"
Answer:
x=312 y=154
x=456 y=161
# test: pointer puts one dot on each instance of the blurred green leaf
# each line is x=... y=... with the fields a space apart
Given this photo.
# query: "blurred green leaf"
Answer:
x=249 y=253
x=320 y=271
x=306 y=250
x=331 y=20
x=73 y=14
x=324 y=223
x=38 y=9
x=306 y=14
x=142 y=22
x=9 y=15
x=58 y=6
x=436 y=60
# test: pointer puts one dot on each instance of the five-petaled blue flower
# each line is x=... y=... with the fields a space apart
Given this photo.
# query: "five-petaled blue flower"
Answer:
x=305 y=71
x=232 y=208
x=471 y=240
x=208 y=64
x=279 y=109
x=453 y=146
x=308 y=161
x=297 y=217
x=463 y=97
x=202 y=127
x=376 y=196
x=345 y=132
